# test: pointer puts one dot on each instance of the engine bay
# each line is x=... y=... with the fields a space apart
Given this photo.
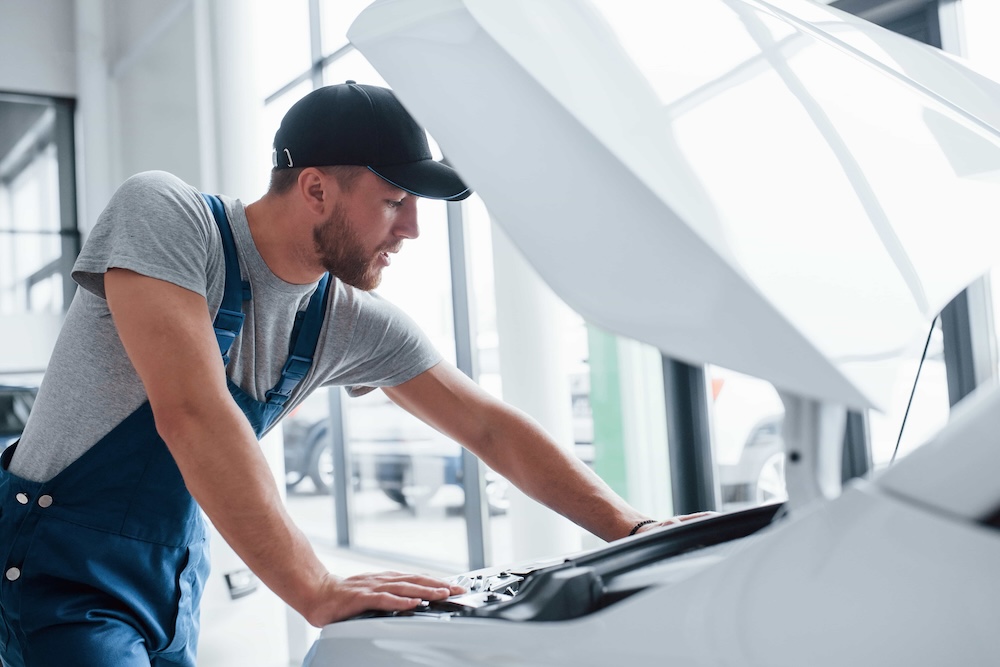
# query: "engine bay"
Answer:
x=575 y=586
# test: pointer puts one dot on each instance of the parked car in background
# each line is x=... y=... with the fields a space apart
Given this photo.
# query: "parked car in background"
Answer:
x=408 y=459
x=384 y=441
x=747 y=416
x=15 y=404
x=307 y=450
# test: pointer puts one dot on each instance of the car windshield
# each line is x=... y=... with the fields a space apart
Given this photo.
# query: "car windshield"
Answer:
x=15 y=404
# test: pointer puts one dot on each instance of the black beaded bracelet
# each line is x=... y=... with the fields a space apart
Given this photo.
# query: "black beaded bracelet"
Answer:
x=640 y=525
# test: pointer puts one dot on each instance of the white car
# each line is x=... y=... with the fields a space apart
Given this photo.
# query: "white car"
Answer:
x=772 y=174
x=749 y=451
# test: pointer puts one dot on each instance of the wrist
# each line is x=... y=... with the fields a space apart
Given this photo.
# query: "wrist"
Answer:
x=636 y=527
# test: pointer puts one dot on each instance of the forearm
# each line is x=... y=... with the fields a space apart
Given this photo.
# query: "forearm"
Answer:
x=225 y=471
x=167 y=332
x=520 y=450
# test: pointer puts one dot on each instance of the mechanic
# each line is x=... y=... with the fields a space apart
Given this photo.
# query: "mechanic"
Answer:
x=138 y=424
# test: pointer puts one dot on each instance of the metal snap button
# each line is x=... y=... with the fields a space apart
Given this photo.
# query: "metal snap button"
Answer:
x=44 y=501
x=22 y=498
x=13 y=574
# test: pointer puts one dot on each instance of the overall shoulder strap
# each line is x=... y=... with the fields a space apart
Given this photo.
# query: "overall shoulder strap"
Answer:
x=229 y=320
x=304 y=348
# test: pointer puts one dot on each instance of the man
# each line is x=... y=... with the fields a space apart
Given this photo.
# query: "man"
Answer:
x=138 y=424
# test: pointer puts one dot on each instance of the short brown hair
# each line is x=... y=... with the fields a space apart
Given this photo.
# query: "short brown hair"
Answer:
x=282 y=180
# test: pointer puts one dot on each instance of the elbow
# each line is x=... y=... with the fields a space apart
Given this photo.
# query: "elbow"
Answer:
x=183 y=421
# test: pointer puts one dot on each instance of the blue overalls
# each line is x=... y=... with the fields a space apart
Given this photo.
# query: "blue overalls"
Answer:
x=104 y=564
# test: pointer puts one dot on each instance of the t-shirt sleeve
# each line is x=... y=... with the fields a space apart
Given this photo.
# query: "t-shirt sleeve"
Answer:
x=387 y=349
x=155 y=225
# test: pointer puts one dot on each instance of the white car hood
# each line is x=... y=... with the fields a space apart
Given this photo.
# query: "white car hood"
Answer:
x=774 y=187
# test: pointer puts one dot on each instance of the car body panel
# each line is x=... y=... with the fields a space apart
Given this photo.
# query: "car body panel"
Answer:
x=728 y=189
x=857 y=581
x=765 y=184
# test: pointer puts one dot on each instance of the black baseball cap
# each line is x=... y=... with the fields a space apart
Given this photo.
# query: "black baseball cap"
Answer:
x=356 y=124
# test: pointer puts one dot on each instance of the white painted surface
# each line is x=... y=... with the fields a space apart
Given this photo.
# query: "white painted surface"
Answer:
x=38 y=47
x=536 y=381
x=759 y=185
x=26 y=341
x=980 y=19
x=95 y=135
x=788 y=246
x=867 y=579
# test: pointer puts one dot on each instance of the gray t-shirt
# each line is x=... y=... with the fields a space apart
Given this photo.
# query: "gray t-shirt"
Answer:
x=159 y=226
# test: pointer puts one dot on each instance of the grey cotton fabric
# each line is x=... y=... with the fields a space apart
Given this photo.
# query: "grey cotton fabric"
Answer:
x=159 y=226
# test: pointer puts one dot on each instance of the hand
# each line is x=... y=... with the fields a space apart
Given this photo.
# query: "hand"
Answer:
x=343 y=598
x=673 y=521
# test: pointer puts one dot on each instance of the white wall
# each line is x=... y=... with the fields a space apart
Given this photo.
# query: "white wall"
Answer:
x=37 y=47
x=166 y=85
x=26 y=342
x=158 y=102
x=981 y=21
x=37 y=55
x=138 y=107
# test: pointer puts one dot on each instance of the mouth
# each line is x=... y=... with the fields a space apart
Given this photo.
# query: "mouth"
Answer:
x=384 y=255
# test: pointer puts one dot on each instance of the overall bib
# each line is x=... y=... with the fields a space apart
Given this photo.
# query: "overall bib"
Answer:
x=104 y=564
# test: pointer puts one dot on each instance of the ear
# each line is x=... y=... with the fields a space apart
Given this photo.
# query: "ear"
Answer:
x=317 y=190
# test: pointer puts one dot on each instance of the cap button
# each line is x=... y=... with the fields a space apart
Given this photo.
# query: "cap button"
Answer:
x=350 y=81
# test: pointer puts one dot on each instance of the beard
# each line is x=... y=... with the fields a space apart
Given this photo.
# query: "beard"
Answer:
x=344 y=256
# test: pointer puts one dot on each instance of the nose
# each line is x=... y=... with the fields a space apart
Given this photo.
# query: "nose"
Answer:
x=407 y=226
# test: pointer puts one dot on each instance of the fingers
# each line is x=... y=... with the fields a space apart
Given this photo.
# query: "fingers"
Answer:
x=681 y=518
x=421 y=579
x=407 y=589
x=382 y=591
x=441 y=588
x=386 y=601
x=418 y=586
x=674 y=521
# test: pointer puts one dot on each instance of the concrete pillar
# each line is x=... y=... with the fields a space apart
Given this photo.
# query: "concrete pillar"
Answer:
x=96 y=179
x=530 y=319
x=968 y=29
x=630 y=426
x=980 y=20
x=644 y=428
x=229 y=106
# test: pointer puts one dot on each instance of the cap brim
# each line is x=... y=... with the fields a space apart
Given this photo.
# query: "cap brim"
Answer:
x=426 y=178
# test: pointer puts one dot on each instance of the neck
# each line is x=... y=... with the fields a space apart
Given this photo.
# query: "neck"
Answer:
x=283 y=236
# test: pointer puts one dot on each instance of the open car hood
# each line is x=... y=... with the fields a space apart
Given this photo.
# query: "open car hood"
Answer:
x=775 y=187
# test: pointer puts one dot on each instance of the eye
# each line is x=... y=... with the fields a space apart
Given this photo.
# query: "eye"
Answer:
x=394 y=203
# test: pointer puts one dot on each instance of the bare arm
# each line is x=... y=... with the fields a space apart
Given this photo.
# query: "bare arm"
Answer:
x=518 y=448
x=167 y=333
